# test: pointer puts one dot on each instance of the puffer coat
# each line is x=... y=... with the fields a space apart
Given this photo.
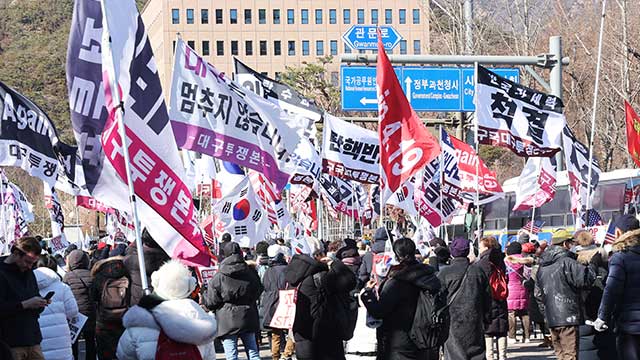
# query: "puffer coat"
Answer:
x=80 y=281
x=518 y=268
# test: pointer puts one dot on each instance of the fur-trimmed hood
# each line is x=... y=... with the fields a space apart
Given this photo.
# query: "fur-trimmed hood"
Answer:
x=514 y=259
x=112 y=267
x=585 y=255
x=627 y=240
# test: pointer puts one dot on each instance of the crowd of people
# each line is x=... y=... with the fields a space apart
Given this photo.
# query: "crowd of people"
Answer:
x=354 y=300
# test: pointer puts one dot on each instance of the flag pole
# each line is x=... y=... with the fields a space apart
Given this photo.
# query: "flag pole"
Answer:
x=476 y=130
x=595 y=107
x=535 y=198
x=119 y=114
x=4 y=219
x=441 y=166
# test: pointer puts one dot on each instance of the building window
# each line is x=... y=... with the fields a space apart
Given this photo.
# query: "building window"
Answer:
x=304 y=14
x=291 y=46
x=347 y=49
x=360 y=16
x=318 y=16
x=374 y=16
x=233 y=16
x=402 y=14
x=247 y=16
x=276 y=16
x=234 y=47
x=319 y=47
x=346 y=16
x=175 y=16
x=403 y=47
x=263 y=47
x=189 y=16
x=305 y=47
x=333 y=16
x=262 y=16
x=204 y=16
x=290 y=16
x=334 y=47
x=388 y=16
x=218 y=16
x=277 y=48
x=248 y=47
x=205 y=48
x=416 y=16
x=220 y=48
x=191 y=44
x=335 y=79
x=416 y=47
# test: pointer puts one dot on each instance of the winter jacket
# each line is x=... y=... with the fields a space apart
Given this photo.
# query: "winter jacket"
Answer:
x=18 y=327
x=498 y=315
x=54 y=320
x=396 y=306
x=181 y=320
x=559 y=281
x=273 y=281
x=232 y=295
x=80 y=281
x=518 y=298
x=364 y=273
x=621 y=299
x=466 y=333
x=153 y=259
x=315 y=337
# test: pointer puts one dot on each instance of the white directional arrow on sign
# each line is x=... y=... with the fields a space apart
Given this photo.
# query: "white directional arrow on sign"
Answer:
x=407 y=88
x=365 y=101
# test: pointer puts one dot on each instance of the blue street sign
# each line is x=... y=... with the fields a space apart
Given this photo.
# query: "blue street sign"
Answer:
x=468 y=84
x=365 y=37
x=427 y=88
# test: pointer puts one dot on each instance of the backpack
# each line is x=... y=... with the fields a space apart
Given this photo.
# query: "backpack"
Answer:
x=498 y=282
x=115 y=299
x=341 y=311
x=168 y=349
x=430 y=328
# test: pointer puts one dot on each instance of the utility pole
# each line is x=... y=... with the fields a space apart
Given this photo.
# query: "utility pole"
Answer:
x=468 y=50
x=555 y=81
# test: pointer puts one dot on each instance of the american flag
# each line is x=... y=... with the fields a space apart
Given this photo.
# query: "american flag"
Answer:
x=533 y=227
x=593 y=218
x=610 y=236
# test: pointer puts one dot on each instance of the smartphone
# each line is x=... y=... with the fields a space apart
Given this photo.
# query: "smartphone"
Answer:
x=49 y=295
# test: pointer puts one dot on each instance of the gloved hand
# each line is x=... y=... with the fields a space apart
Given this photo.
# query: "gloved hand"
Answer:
x=599 y=325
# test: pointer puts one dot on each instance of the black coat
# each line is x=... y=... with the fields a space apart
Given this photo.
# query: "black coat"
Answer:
x=18 y=327
x=559 y=281
x=232 y=294
x=273 y=281
x=316 y=338
x=466 y=334
x=80 y=281
x=396 y=306
x=364 y=273
x=498 y=315
x=153 y=260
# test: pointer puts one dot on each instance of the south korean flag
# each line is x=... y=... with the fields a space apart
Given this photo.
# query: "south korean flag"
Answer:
x=242 y=216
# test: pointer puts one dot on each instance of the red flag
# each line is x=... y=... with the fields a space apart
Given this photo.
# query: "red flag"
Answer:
x=633 y=133
x=406 y=144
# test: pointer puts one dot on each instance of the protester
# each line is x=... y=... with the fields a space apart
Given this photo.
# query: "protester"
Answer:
x=466 y=333
x=20 y=301
x=54 y=320
x=262 y=258
x=154 y=257
x=620 y=306
x=380 y=238
x=111 y=290
x=396 y=303
x=232 y=294
x=559 y=281
x=520 y=285
x=226 y=237
x=274 y=281
x=170 y=311
x=349 y=255
x=316 y=338
x=535 y=310
x=79 y=279
x=492 y=260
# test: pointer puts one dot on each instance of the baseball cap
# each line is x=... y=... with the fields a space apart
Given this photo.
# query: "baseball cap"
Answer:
x=560 y=236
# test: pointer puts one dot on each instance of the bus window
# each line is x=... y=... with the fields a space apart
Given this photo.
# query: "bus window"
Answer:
x=556 y=220
x=609 y=197
x=560 y=204
x=569 y=218
x=497 y=209
x=490 y=225
x=502 y=223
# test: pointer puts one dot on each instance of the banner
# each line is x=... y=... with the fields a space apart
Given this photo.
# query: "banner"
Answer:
x=270 y=199
x=91 y=203
x=165 y=206
x=577 y=160
x=372 y=208
x=350 y=151
x=21 y=213
x=406 y=144
x=404 y=198
x=513 y=116
x=633 y=132
x=27 y=136
x=52 y=203
x=488 y=184
x=213 y=115
x=340 y=195
x=537 y=183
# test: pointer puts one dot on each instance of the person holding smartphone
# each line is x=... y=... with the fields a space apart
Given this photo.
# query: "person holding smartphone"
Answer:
x=20 y=301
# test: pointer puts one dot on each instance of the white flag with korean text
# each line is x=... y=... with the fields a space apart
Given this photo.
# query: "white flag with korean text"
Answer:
x=577 y=159
x=537 y=183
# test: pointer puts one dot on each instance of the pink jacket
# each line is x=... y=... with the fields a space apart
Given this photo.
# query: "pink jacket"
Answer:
x=518 y=270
